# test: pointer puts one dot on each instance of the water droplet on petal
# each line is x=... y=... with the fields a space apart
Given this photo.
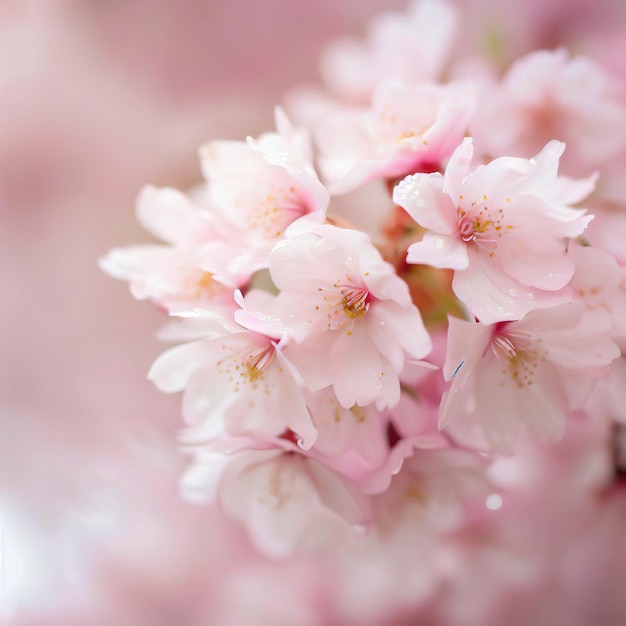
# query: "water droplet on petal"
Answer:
x=439 y=243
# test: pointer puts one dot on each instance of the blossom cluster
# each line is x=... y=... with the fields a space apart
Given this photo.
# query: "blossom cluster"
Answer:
x=409 y=278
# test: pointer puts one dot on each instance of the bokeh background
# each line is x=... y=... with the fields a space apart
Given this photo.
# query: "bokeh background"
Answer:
x=97 y=99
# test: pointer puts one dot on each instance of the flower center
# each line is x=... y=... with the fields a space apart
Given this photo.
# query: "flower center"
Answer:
x=472 y=226
x=257 y=361
x=354 y=302
x=482 y=225
x=343 y=304
x=247 y=366
x=275 y=211
x=519 y=356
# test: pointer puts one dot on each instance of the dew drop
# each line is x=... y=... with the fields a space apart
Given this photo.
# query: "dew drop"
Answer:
x=439 y=243
x=493 y=501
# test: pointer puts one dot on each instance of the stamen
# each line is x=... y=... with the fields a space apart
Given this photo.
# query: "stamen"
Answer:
x=258 y=360
x=354 y=302
x=519 y=356
x=504 y=344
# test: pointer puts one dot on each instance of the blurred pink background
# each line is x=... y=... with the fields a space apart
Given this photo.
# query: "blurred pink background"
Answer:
x=96 y=100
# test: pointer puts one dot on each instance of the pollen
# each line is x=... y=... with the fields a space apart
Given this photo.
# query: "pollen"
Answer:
x=358 y=413
x=273 y=212
x=200 y=283
x=247 y=368
x=344 y=303
x=354 y=302
x=519 y=358
x=482 y=226
x=405 y=135
x=206 y=282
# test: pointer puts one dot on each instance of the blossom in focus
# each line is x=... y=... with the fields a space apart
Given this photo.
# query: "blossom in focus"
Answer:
x=353 y=315
x=238 y=381
x=530 y=372
x=259 y=188
x=503 y=228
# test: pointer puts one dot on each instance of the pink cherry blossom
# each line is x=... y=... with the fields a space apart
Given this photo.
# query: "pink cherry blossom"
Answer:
x=409 y=128
x=600 y=284
x=351 y=440
x=312 y=423
x=413 y=46
x=547 y=95
x=608 y=400
x=239 y=381
x=169 y=274
x=431 y=488
x=286 y=502
x=363 y=444
x=525 y=373
x=502 y=228
x=410 y=47
x=429 y=497
x=352 y=314
x=259 y=187
x=608 y=232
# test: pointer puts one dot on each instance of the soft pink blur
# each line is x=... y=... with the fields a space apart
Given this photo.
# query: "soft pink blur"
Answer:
x=96 y=100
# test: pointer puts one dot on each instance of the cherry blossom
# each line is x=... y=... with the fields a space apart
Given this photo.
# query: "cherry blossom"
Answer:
x=600 y=284
x=352 y=314
x=259 y=187
x=409 y=128
x=363 y=443
x=238 y=380
x=410 y=47
x=330 y=450
x=429 y=497
x=286 y=501
x=169 y=275
x=502 y=228
x=528 y=373
x=547 y=95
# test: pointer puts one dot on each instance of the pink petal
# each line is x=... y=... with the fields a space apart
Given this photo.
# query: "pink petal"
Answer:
x=423 y=198
x=439 y=251
x=172 y=370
